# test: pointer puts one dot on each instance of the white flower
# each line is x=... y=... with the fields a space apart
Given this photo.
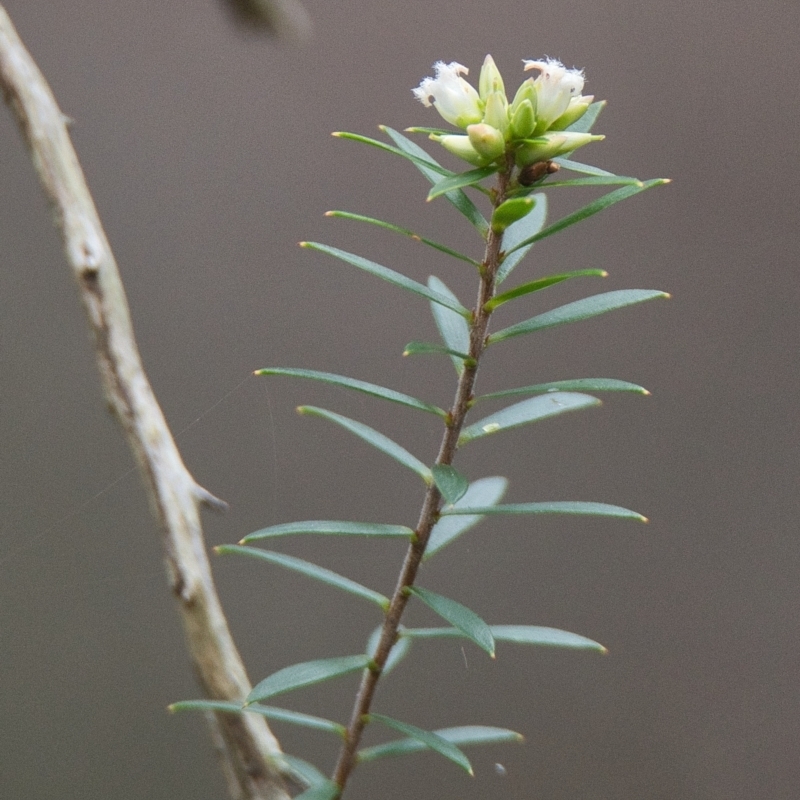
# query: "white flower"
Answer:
x=555 y=87
x=454 y=98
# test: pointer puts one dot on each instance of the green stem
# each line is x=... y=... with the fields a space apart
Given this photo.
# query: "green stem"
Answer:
x=429 y=513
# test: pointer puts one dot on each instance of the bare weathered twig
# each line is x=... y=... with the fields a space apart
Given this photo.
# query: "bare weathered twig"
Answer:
x=248 y=750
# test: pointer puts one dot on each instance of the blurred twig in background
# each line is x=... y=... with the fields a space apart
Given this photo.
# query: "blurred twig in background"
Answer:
x=285 y=19
x=248 y=750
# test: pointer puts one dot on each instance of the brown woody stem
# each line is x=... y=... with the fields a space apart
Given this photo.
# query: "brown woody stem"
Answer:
x=429 y=513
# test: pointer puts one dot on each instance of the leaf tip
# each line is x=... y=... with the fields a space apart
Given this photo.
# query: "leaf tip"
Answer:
x=603 y=650
x=304 y=244
x=603 y=274
x=646 y=392
x=667 y=296
x=337 y=134
x=217 y=549
x=644 y=519
x=172 y=708
x=329 y=214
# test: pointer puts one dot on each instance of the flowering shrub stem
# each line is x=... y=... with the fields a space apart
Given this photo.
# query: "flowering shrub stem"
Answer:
x=429 y=513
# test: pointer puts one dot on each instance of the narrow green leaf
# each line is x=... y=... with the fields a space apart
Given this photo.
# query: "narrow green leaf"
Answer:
x=431 y=740
x=579 y=310
x=270 y=712
x=302 y=771
x=531 y=410
x=297 y=718
x=359 y=386
x=206 y=705
x=431 y=169
x=470 y=178
x=431 y=348
x=321 y=791
x=453 y=328
x=587 y=211
x=398 y=652
x=330 y=528
x=586 y=169
x=483 y=492
x=520 y=232
x=514 y=634
x=575 y=385
x=403 y=232
x=461 y=617
x=308 y=569
x=462 y=736
x=429 y=131
x=541 y=636
x=597 y=180
x=585 y=123
x=371 y=436
x=542 y=283
x=389 y=275
x=450 y=482
x=305 y=674
x=428 y=163
x=560 y=507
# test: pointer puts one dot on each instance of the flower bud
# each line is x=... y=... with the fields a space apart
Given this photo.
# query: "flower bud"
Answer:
x=460 y=146
x=496 y=113
x=510 y=211
x=454 y=98
x=490 y=79
x=550 y=145
x=527 y=92
x=523 y=121
x=487 y=141
x=577 y=107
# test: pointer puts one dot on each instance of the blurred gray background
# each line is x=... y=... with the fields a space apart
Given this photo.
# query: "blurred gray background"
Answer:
x=209 y=155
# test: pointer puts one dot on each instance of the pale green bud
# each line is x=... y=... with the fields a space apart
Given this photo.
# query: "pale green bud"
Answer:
x=460 y=146
x=490 y=79
x=454 y=98
x=550 y=145
x=524 y=121
x=510 y=211
x=577 y=107
x=525 y=92
x=486 y=140
x=496 y=113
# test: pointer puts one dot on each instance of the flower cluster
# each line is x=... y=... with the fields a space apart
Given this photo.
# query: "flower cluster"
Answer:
x=533 y=127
